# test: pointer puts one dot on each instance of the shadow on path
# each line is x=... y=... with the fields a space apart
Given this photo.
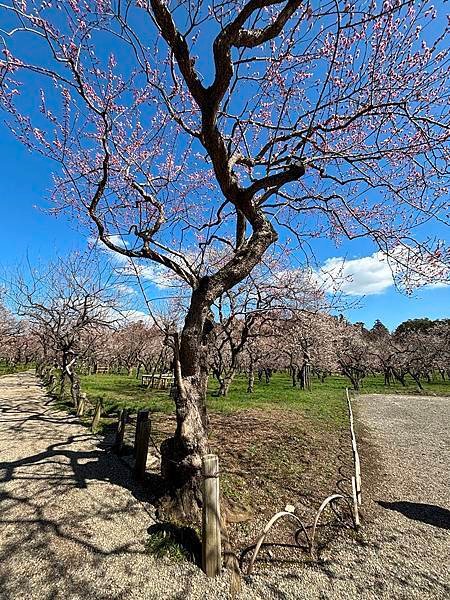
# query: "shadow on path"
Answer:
x=68 y=510
x=426 y=513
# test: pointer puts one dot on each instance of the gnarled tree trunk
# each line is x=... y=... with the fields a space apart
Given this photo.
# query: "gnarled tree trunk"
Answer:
x=225 y=382
x=181 y=455
x=65 y=362
x=251 y=377
x=75 y=388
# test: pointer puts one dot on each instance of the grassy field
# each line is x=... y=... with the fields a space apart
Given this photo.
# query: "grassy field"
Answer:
x=324 y=402
x=7 y=369
x=277 y=446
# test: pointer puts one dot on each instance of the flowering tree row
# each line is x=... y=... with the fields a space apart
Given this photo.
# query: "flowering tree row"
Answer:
x=320 y=344
x=18 y=346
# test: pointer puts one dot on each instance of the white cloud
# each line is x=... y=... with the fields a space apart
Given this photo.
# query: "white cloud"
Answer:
x=370 y=275
x=117 y=240
x=134 y=316
x=159 y=276
x=356 y=277
x=125 y=289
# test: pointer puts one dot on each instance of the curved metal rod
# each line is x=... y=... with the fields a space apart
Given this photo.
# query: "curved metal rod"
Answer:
x=327 y=501
x=339 y=517
x=319 y=512
x=347 y=500
x=266 y=530
x=303 y=530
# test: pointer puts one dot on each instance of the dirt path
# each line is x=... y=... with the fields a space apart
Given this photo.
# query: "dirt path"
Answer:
x=73 y=524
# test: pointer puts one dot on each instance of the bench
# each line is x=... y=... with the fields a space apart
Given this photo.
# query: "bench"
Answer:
x=158 y=381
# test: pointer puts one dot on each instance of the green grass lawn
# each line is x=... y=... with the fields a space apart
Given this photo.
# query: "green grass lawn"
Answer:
x=124 y=391
x=275 y=439
x=324 y=402
x=8 y=369
x=375 y=385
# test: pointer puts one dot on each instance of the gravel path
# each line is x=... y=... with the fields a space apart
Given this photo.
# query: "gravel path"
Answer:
x=411 y=552
x=73 y=524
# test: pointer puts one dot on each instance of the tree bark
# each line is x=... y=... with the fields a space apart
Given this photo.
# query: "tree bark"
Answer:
x=62 y=389
x=294 y=376
x=416 y=378
x=225 y=382
x=305 y=376
x=251 y=378
x=354 y=377
x=224 y=387
x=75 y=388
x=181 y=455
x=400 y=377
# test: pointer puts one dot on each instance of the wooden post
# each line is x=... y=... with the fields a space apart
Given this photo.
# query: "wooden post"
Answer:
x=120 y=433
x=141 y=417
x=211 y=544
x=81 y=405
x=141 y=444
x=355 y=502
x=97 y=415
x=356 y=460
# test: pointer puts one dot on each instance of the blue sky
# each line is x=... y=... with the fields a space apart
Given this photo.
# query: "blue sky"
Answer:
x=25 y=229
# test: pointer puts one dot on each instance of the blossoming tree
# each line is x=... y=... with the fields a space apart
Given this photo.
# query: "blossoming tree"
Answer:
x=190 y=134
x=68 y=304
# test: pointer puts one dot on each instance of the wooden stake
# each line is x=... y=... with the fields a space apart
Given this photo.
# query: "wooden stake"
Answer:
x=211 y=543
x=141 y=417
x=97 y=415
x=141 y=447
x=81 y=405
x=356 y=460
x=355 y=502
x=120 y=433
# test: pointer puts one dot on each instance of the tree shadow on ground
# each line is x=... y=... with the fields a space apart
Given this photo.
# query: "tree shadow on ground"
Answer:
x=47 y=455
x=426 y=513
x=100 y=464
